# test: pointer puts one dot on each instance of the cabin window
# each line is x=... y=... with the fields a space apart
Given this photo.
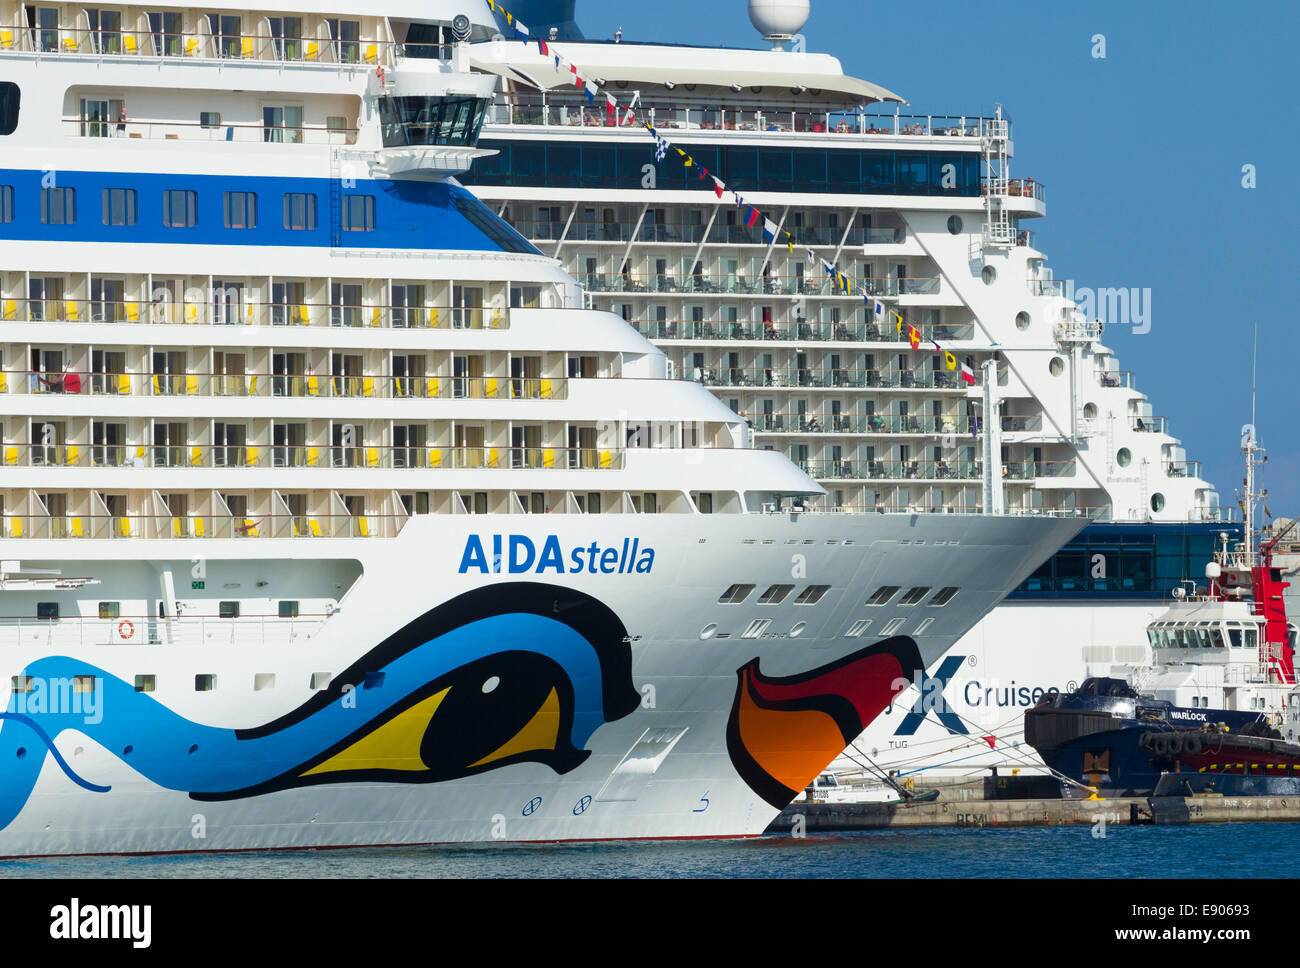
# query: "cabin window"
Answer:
x=735 y=594
x=914 y=595
x=9 y=97
x=228 y=610
x=205 y=682
x=119 y=206
x=180 y=208
x=775 y=594
x=240 y=210
x=58 y=206
x=359 y=213
x=812 y=594
x=943 y=596
x=300 y=211
x=756 y=628
x=47 y=610
x=6 y=203
x=146 y=683
x=883 y=594
x=209 y=119
x=857 y=628
x=263 y=680
x=110 y=609
x=288 y=610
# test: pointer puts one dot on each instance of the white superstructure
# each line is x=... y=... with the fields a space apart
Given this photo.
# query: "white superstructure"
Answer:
x=334 y=514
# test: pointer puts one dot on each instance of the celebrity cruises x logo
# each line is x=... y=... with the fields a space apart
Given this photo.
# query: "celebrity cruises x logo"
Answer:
x=102 y=922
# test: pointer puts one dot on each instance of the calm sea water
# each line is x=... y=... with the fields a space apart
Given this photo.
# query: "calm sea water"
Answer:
x=1206 y=850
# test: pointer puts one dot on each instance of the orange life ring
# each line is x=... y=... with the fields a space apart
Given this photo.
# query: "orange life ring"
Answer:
x=125 y=628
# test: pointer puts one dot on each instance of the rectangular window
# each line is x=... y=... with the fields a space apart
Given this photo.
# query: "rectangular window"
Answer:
x=110 y=609
x=180 y=208
x=914 y=595
x=735 y=594
x=209 y=119
x=146 y=683
x=58 y=206
x=775 y=594
x=119 y=206
x=240 y=210
x=6 y=203
x=359 y=213
x=812 y=594
x=300 y=211
x=943 y=596
x=756 y=628
x=288 y=610
x=205 y=682
x=882 y=595
x=22 y=684
x=891 y=626
x=228 y=610
x=857 y=628
x=47 y=610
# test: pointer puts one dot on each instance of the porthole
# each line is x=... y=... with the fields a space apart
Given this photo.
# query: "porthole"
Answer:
x=1090 y=411
x=1022 y=321
x=954 y=224
x=798 y=630
x=1124 y=457
x=1157 y=502
x=22 y=752
x=989 y=275
x=708 y=631
x=1057 y=366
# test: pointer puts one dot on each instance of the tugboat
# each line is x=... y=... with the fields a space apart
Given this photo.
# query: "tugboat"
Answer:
x=1211 y=705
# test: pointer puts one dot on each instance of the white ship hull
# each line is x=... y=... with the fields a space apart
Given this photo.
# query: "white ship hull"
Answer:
x=165 y=769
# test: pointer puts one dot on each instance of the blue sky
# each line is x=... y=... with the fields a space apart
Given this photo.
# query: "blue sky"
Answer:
x=1142 y=157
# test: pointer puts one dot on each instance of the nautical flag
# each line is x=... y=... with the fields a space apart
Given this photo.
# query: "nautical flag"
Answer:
x=559 y=64
x=543 y=47
x=661 y=146
x=950 y=360
x=769 y=230
x=843 y=280
x=880 y=311
x=636 y=99
x=898 y=327
x=789 y=242
x=718 y=187
x=974 y=425
x=610 y=106
x=590 y=90
x=752 y=217
x=914 y=337
x=935 y=344
x=967 y=375
x=521 y=30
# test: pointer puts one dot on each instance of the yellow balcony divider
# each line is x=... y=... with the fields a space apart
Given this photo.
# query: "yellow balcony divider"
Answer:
x=250 y=528
x=6 y=38
x=372 y=53
x=252 y=457
x=157 y=385
x=246 y=47
x=368 y=386
x=199 y=528
x=178 y=529
x=313 y=51
x=372 y=456
x=72 y=455
x=192 y=385
x=435 y=457
x=133 y=312
x=303 y=317
x=313 y=386
x=123 y=383
x=252 y=385
x=313 y=456
x=4 y=383
x=433 y=317
x=75 y=524
x=130 y=44
x=496 y=318
x=11 y=309
x=491 y=386
x=196 y=456
x=363 y=527
x=11 y=456
x=15 y=527
x=71 y=307
x=124 y=524
x=546 y=390
x=548 y=458
x=314 y=526
x=191 y=313
x=374 y=317
x=493 y=458
x=191 y=46
x=606 y=459
x=432 y=386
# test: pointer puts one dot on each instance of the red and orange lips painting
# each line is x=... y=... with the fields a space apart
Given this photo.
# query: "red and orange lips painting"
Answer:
x=785 y=730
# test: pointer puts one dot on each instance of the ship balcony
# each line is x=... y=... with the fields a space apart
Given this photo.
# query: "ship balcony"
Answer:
x=1146 y=424
x=821 y=378
x=158 y=526
x=1116 y=378
x=234 y=312
x=865 y=424
x=703 y=284
x=792 y=331
x=903 y=471
x=195 y=384
x=621 y=233
x=1021 y=425
x=214 y=130
x=562 y=109
x=311 y=458
x=1182 y=468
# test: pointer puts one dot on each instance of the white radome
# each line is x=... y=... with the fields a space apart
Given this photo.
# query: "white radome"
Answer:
x=778 y=20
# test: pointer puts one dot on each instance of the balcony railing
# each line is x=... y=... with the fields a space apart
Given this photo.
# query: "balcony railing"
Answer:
x=1115 y=378
x=825 y=378
x=564 y=110
x=692 y=234
x=1022 y=424
x=224 y=525
x=76 y=632
x=252 y=313
x=311 y=456
x=1147 y=425
x=202 y=45
x=1015 y=188
x=1183 y=468
x=242 y=131
x=803 y=332
x=933 y=470
x=874 y=424
x=722 y=284
x=284 y=385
